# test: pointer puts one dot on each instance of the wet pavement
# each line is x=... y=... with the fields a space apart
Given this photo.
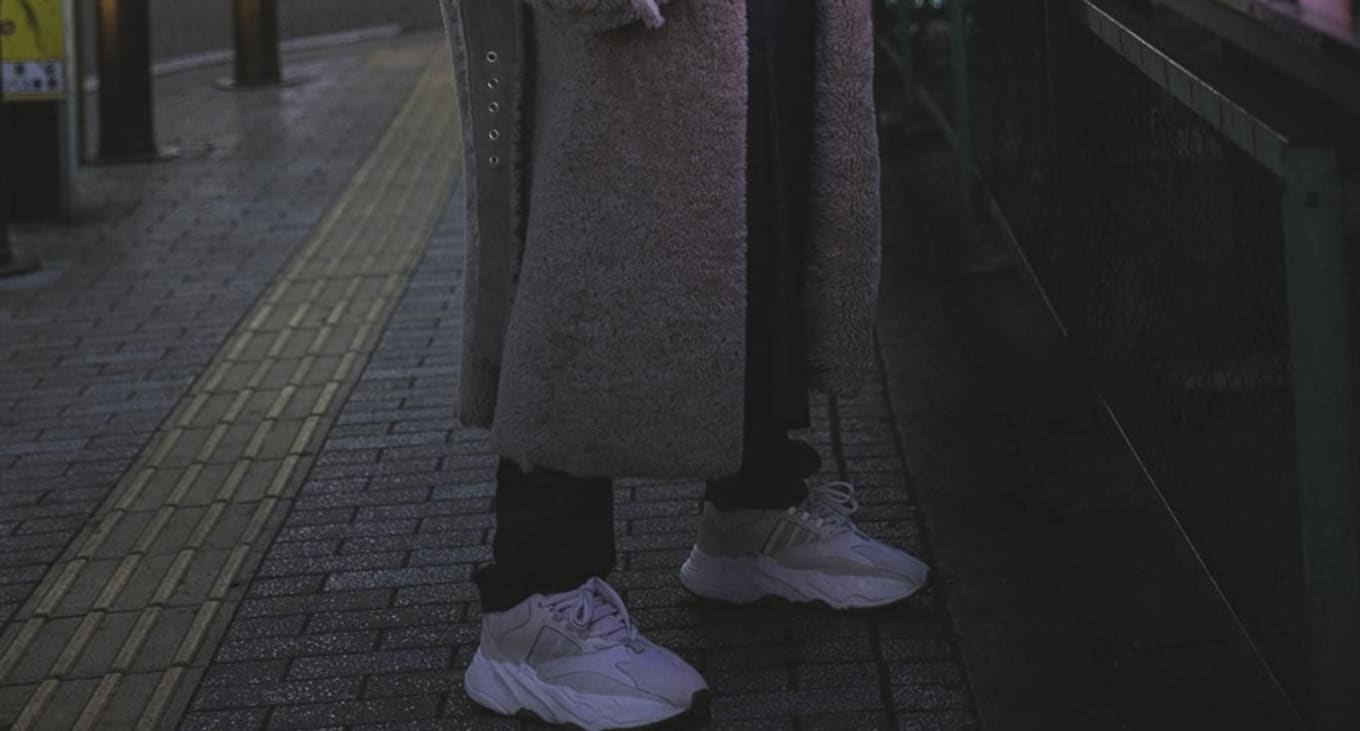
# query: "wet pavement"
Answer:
x=232 y=491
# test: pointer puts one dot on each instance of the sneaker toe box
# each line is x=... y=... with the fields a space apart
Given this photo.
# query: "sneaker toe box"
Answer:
x=638 y=670
x=893 y=562
x=663 y=673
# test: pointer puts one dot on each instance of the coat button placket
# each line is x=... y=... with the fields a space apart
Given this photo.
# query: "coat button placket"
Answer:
x=493 y=84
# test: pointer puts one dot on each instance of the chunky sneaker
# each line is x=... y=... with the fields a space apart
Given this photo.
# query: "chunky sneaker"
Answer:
x=811 y=552
x=576 y=658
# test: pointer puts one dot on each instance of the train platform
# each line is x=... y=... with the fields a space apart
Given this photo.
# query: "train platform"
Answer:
x=233 y=494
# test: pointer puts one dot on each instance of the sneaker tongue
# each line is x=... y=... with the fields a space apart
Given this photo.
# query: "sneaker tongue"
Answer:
x=605 y=621
x=600 y=610
x=831 y=518
x=833 y=503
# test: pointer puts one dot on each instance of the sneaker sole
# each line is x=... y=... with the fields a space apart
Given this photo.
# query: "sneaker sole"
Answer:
x=699 y=713
x=747 y=580
x=511 y=689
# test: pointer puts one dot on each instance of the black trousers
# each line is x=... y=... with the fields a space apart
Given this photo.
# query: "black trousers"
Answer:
x=554 y=531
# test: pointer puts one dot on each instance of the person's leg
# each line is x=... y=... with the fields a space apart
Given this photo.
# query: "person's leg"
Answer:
x=773 y=476
x=557 y=641
x=764 y=532
x=553 y=532
x=773 y=467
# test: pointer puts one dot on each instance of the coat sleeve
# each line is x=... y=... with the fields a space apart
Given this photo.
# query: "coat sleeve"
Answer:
x=603 y=15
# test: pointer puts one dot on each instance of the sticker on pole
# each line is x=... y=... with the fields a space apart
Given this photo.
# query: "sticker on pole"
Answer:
x=33 y=49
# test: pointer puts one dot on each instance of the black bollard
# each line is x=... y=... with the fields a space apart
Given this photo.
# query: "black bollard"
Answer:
x=256 y=26
x=127 y=130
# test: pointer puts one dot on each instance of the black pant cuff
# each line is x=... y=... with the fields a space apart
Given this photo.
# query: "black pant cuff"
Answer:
x=501 y=590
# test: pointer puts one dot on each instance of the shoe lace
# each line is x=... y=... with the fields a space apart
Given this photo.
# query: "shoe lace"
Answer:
x=829 y=505
x=598 y=611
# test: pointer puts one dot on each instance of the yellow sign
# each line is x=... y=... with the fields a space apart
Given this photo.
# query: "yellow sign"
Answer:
x=33 y=49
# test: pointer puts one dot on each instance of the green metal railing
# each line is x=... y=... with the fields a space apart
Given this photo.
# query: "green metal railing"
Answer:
x=1321 y=357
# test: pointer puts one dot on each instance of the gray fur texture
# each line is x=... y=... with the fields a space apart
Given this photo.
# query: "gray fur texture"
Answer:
x=623 y=352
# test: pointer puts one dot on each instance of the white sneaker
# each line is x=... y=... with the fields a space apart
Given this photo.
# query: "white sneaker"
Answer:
x=808 y=553
x=576 y=658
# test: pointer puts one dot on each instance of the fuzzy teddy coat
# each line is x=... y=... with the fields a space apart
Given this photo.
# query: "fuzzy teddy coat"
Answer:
x=605 y=176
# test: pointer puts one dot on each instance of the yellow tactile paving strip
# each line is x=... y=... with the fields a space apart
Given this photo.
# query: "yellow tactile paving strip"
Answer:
x=134 y=608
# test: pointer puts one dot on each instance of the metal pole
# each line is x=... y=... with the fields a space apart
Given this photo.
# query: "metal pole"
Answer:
x=1325 y=364
x=963 y=108
x=12 y=262
x=903 y=23
x=6 y=246
x=257 y=43
x=126 y=108
x=77 y=98
x=1071 y=300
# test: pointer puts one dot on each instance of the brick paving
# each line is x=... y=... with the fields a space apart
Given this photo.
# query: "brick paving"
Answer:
x=141 y=291
x=144 y=591
x=361 y=613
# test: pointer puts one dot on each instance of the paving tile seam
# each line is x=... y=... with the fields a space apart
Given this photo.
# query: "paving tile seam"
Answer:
x=402 y=181
x=167 y=685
